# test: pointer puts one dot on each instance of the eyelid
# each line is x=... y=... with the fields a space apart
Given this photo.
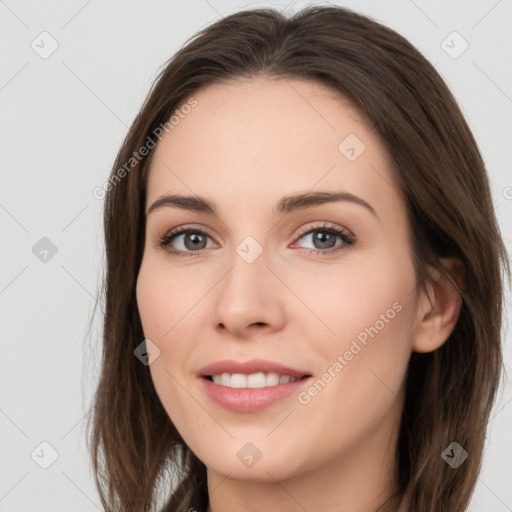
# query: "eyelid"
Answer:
x=299 y=234
x=184 y=228
x=316 y=227
x=327 y=226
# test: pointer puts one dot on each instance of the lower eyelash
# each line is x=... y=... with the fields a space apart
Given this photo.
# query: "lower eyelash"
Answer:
x=348 y=240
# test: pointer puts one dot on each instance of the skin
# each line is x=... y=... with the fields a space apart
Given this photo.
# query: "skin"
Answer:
x=244 y=146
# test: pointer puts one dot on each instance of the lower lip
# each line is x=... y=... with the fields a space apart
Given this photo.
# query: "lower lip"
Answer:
x=250 y=399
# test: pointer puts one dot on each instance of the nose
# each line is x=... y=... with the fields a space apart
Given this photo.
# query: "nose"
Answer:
x=249 y=299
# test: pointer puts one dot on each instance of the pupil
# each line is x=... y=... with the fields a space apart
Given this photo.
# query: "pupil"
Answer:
x=195 y=238
x=324 y=238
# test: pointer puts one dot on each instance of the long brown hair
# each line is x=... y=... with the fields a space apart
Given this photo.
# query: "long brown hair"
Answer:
x=449 y=392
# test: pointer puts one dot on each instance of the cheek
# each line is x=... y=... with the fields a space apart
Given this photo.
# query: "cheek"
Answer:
x=164 y=298
x=166 y=307
x=344 y=300
x=149 y=301
x=372 y=312
x=359 y=389
x=176 y=391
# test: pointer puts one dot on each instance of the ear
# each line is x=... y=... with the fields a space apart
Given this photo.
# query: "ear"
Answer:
x=438 y=311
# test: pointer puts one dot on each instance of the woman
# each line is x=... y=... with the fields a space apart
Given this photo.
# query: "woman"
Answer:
x=303 y=288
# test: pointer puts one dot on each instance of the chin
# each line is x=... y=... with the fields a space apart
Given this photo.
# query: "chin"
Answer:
x=261 y=472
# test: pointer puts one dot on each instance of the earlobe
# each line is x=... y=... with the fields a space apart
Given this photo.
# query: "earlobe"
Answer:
x=439 y=308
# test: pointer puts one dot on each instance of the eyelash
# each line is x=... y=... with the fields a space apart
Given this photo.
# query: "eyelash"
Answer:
x=347 y=237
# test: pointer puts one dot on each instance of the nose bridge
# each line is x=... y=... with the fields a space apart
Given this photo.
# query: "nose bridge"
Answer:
x=248 y=293
x=249 y=255
x=247 y=277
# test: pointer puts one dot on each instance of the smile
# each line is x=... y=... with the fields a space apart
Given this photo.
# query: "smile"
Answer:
x=254 y=380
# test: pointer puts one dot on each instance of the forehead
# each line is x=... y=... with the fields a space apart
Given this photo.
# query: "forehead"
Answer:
x=263 y=138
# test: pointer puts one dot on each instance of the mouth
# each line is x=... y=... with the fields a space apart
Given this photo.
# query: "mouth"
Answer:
x=251 y=385
x=256 y=380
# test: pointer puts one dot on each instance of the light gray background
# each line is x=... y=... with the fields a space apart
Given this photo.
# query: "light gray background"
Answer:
x=62 y=121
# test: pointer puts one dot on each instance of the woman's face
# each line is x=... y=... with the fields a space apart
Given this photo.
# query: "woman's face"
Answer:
x=278 y=272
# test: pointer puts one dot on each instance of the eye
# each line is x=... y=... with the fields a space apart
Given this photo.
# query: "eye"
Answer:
x=184 y=241
x=323 y=238
x=189 y=241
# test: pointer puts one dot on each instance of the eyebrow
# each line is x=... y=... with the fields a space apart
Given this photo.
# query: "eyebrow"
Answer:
x=286 y=204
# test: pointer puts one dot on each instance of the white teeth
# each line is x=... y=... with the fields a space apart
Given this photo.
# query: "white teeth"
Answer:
x=272 y=379
x=254 y=380
x=238 y=380
x=225 y=379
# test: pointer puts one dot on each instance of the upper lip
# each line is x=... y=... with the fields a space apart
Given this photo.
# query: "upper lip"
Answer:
x=249 y=367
